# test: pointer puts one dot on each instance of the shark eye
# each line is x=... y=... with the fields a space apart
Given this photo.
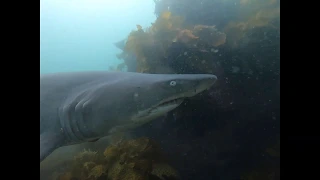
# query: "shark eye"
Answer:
x=173 y=83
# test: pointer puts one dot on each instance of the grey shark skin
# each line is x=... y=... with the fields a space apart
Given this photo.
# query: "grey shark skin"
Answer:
x=78 y=107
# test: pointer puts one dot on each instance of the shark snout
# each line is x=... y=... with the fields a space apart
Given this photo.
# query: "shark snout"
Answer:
x=208 y=78
x=204 y=82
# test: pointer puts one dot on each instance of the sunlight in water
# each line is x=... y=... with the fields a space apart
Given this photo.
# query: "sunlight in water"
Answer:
x=90 y=6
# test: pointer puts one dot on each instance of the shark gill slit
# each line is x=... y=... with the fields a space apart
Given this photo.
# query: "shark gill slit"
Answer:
x=83 y=132
x=68 y=121
x=76 y=116
x=64 y=121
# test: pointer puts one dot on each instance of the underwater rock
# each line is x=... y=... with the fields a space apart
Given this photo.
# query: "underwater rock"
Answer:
x=239 y=117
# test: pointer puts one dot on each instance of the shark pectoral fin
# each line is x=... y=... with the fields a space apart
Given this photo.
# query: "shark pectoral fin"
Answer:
x=48 y=143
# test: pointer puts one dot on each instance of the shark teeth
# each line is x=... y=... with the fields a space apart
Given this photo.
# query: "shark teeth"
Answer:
x=167 y=103
x=168 y=100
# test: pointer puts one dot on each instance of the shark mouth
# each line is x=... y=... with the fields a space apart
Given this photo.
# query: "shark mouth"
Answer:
x=167 y=105
x=170 y=102
x=159 y=109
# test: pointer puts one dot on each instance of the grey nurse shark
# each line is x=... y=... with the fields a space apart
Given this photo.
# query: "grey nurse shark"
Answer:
x=78 y=107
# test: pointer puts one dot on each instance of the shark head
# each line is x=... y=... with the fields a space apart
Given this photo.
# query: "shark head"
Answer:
x=134 y=99
x=164 y=93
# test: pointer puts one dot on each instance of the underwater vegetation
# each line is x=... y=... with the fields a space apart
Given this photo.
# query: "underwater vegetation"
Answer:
x=198 y=43
x=137 y=159
x=152 y=45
